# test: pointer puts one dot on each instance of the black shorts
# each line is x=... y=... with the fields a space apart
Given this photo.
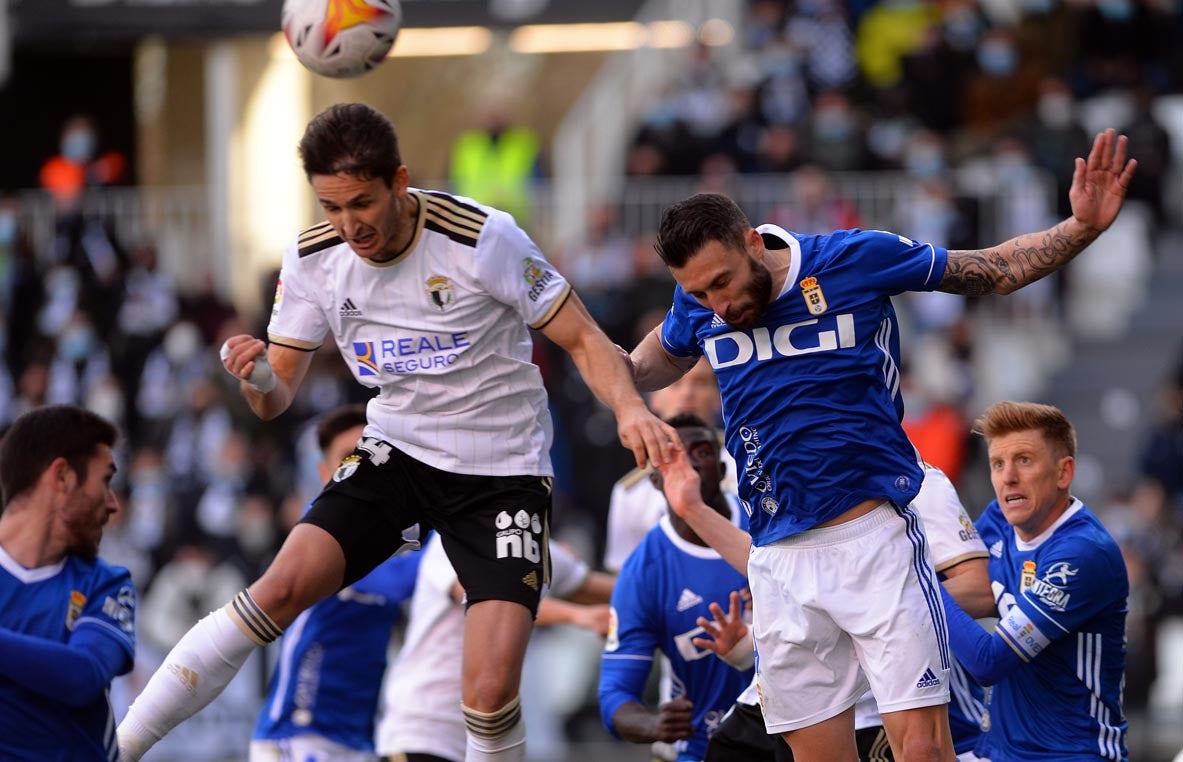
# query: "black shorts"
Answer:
x=495 y=529
x=742 y=737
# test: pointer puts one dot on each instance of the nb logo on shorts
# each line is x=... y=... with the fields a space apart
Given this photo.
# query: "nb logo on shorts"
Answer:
x=515 y=536
x=928 y=680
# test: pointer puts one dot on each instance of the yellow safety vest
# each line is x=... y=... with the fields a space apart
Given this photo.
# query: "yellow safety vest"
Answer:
x=498 y=172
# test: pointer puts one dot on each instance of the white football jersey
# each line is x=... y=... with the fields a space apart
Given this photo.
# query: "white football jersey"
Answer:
x=441 y=330
x=422 y=691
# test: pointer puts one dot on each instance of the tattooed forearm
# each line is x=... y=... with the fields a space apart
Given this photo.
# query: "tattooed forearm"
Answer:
x=1011 y=265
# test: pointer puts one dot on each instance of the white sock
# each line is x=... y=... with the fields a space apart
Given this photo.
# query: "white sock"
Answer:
x=499 y=736
x=194 y=673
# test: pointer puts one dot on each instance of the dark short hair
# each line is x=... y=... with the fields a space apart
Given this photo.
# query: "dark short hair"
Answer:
x=691 y=421
x=1009 y=417
x=352 y=139
x=41 y=436
x=337 y=421
x=692 y=223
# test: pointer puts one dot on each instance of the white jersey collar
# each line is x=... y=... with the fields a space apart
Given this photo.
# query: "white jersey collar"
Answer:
x=29 y=576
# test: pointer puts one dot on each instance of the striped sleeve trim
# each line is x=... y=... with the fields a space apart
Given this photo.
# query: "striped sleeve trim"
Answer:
x=961 y=558
x=284 y=341
x=317 y=238
x=554 y=309
x=252 y=620
x=458 y=221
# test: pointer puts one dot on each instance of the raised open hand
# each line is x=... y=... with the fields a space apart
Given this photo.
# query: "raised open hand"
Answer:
x=1099 y=184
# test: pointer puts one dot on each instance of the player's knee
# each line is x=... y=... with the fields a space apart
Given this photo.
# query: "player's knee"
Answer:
x=491 y=728
x=490 y=692
x=919 y=749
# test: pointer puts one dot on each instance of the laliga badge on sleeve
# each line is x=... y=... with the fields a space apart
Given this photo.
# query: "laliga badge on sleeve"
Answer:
x=815 y=300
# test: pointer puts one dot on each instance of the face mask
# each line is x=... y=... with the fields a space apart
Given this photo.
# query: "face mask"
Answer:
x=1055 y=111
x=78 y=145
x=961 y=31
x=997 y=58
x=76 y=343
x=7 y=228
x=833 y=125
x=1116 y=10
x=924 y=162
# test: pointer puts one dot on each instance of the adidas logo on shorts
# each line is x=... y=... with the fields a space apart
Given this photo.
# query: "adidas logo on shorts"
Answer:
x=928 y=680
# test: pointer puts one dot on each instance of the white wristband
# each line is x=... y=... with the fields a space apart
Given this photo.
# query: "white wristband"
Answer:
x=743 y=654
x=262 y=378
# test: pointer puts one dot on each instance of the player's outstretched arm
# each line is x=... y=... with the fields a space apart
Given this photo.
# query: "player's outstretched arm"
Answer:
x=969 y=584
x=680 y=483
x=1099 y=186
x=730 y=637
x=653 y=368
x=270 y=375
x=600 y=365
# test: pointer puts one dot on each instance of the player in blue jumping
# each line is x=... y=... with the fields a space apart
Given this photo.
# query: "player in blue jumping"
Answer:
x=323 y=697
x=67 y=619
x=801 y=333
x=665 y=586
x=1057 y=657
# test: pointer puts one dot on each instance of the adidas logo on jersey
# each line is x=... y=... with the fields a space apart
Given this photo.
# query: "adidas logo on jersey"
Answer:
x=928 y=680
x=996 y=549
x=688 y=599
x=717 y=321
x=349 y=309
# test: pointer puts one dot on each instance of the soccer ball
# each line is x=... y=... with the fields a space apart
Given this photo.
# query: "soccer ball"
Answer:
x=341 y=38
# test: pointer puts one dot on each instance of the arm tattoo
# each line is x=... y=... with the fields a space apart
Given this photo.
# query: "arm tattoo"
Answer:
x=1011 y=265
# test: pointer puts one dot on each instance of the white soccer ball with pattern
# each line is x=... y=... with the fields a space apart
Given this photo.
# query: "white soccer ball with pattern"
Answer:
x=341 y=38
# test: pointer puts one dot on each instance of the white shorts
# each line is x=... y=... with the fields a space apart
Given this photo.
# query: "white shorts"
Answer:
x=308 y=748
x=843 y=608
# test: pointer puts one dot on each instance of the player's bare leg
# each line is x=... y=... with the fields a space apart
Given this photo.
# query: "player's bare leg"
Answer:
x=495 y=637
x=920 y=735
x=309 y=567
x=830 y=740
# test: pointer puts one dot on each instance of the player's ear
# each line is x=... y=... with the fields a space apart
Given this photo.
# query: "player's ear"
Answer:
x=62 y=475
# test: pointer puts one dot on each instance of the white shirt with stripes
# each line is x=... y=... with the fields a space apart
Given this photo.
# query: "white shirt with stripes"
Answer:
x=441 y=330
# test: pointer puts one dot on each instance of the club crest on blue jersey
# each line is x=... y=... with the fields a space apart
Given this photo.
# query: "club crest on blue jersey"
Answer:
x=1027 y=577
x=367 y=359
x=347 y=468
x=440 y=291
x=815 y=300
x=77 y=601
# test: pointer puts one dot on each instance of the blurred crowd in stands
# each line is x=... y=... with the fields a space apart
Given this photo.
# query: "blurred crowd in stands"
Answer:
x=953 y=96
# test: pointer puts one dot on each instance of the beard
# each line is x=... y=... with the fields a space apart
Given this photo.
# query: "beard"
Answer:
x=758 y=292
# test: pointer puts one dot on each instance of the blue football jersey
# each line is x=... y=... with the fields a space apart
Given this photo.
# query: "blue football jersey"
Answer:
x=1062 y=603
x=53 y=603
x=332 y=659
x=664 y=586
x=811 y=396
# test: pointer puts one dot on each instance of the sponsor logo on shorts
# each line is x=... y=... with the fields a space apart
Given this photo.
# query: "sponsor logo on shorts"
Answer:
x=516 y=535
x=928 y=679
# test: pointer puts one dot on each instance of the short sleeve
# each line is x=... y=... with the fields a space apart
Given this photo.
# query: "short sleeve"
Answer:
x=951 y=533
x=110 y=608
x=567 y=571
x=514 y=271
x=677 y=331
x=297 y=321
x=1072 y=584
x=892 y=263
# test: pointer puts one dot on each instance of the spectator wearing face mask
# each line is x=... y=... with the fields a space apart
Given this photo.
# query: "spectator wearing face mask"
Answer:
x=79 y=164
x=1054 y=136
x=1002 y=86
